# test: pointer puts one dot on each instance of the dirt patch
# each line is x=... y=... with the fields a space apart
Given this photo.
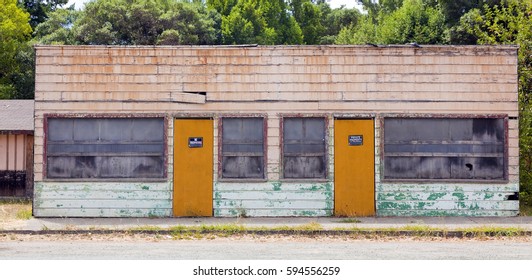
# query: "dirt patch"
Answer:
x=13 y=213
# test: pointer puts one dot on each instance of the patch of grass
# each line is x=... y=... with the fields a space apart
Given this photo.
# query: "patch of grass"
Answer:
x=350 y=221
x=488 y=231
x=312 y=226
x=24 y=214
x=15 y=209
x=226 y=228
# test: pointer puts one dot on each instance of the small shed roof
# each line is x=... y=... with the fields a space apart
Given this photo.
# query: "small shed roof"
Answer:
x=16 y=115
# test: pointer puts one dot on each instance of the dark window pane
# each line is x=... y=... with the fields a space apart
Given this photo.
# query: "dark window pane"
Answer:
x=444 y=149
x=116 y=130
x=132 y=167
x=242 y=148
x=60 y=130
x=86 y=130
x=105 y=148
x=242 y=167
x=304 y=148
x=148 y=130
x=304 y=167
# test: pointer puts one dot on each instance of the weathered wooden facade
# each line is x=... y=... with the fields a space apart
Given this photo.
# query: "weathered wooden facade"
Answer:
x=276 y=131
x=16 y=148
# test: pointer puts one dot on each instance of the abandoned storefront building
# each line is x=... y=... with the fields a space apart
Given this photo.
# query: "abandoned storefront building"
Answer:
x=276 y=131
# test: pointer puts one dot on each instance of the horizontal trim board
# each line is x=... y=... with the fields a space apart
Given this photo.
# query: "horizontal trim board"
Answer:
x=230 y=58
x=509 y=78
x=273 y=195
x=103 y=203
x=105 y=195
x=273 y=204
x=430 y=188
x=443 y=196
x=437 y=213
x=274 y=187
x=272 y=213
x=489 y=107
x=42 y=187
x=126 y=213
x=447 y=205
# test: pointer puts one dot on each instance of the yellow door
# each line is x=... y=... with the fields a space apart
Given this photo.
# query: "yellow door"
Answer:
x=193 y=167
x=354 y=168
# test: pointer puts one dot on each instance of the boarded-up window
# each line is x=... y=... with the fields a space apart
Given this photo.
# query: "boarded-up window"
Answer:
x=105 y=148
x=242 y=148
x=444 y=149
x=304 y=148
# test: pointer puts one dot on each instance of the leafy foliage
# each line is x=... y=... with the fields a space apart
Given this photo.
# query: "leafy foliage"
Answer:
x=145 y=22
x=397 y=22
x=264 y=22
x=15 y=30
x=39 y=9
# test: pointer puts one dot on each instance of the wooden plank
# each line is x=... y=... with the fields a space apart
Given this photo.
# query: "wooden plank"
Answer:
x=272 y=213
x=273 y=195
x=448 y=205
x=422 y=107
x=272 y=204
x=108 y=87
x=84 y=212
x=273 y=186
x=443 y=196
x=446 y=187
x=104 y=195
x=29 y=165
x=43 y=187
x=103 y=203
x=436 y=213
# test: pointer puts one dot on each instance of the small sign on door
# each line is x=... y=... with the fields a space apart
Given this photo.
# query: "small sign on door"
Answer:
x=195 y=142
x=356 y=140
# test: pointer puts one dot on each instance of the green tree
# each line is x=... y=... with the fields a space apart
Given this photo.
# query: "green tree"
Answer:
x=334 y=20
x=224 y=7
x=309 y=17
x=146 y=22
x=15 y=31
x=511 y=23
x=57 y=29
x=39 y=9
x=414 y=21
x=264 y=22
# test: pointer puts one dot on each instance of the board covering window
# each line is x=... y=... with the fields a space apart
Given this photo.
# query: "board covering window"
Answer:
x=444 y=149
x=243 y=148
x=304 y=148
x=103 y=148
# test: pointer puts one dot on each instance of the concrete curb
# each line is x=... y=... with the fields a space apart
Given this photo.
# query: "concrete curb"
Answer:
x=363 y=232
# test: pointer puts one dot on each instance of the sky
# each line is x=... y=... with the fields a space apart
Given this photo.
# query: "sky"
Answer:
x=333 y=3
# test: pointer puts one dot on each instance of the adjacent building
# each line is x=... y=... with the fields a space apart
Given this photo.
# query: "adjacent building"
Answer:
x=16 y=148
x=142 y=131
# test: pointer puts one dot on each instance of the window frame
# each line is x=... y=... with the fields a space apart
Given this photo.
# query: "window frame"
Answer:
x=165 y=119
x=326 y=121
x=505 y=156
x=264 y=118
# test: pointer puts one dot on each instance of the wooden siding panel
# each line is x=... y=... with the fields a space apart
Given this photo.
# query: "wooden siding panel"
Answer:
x=447 y=200
x=54 y=199
x=265 y=199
